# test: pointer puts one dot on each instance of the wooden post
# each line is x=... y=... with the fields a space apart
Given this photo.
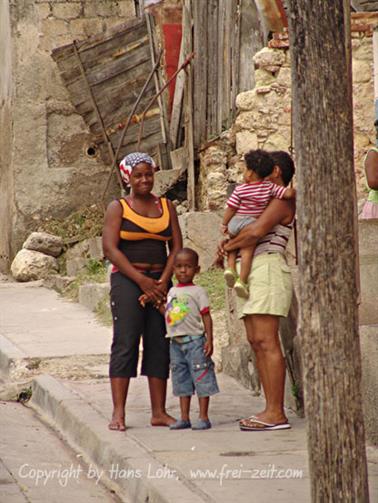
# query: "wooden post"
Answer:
x=189 y=140
x=328 y=316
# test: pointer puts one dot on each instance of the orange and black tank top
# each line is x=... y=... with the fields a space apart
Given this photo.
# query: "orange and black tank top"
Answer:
x=144 y=239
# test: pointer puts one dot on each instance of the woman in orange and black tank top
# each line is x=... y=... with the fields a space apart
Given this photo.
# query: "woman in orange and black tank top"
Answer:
x=136 y=232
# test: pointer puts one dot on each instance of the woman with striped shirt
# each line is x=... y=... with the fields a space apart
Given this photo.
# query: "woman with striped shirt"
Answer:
x=269 y=296
x=247 y=202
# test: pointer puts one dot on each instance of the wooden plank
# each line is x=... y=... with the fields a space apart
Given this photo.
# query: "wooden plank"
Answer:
x=158 y=85
x=235 y=56
x=212 y=68
x=189 y=138
x=116 y=69
x=251 y=41
x=226 y=109
x=179 y=159
x=129 y=29
x=178 y=97
x=220 y=64
x=70 y=71
x=199 y=71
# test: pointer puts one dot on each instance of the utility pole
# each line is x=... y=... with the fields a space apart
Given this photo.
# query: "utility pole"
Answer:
x=328 y=319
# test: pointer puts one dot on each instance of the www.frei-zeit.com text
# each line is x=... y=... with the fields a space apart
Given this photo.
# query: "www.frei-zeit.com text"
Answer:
x=63 y=475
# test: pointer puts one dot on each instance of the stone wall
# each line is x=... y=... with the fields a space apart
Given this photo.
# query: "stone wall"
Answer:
x=264 y=119
x=48 y=152
x=6 y=179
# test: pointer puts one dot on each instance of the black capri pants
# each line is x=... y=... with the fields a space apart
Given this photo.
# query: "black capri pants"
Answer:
x=130 y=322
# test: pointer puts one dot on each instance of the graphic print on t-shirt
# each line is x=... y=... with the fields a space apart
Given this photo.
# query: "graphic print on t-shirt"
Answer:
x=177 y=310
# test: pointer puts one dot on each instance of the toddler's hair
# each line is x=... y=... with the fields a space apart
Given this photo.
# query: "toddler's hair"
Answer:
x=260 y=162
x=188 y=251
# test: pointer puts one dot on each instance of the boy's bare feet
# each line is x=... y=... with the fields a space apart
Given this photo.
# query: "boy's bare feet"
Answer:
x=117 y=423
x=163 y=419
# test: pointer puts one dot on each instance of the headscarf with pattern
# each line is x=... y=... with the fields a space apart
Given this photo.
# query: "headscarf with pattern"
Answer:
x=129 y=162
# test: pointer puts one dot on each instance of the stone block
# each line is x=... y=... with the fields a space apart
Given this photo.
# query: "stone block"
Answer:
x=247 y=100
x=246 y=141
x=362 y=71
x=201 y=231
x=369 y=355
x=269 y=59
x=78 y=256
x=101 y=8
x=67 y=10
x=127 y=9
x=278 y=141
x=263 y=78
x=284 y=77
x=217 y=190
x=43 y=10
x=30 y=265
x=58 y=283
x=44 y=243
x=81 y=28
x=92 y=294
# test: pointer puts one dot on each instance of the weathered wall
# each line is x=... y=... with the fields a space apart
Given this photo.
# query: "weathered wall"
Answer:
x=264 y=119
x=53 y=173
x=6 y=179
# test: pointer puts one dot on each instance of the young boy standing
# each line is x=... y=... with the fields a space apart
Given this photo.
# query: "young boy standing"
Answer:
x=190 y=328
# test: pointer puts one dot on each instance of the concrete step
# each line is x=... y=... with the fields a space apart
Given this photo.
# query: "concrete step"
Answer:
x=92 y=294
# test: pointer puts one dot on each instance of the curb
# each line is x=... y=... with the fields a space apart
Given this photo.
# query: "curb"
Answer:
x=86 y=431
x=13 y=361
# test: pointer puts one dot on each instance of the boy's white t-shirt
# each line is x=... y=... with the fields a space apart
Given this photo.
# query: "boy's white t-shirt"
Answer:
x=186 y=303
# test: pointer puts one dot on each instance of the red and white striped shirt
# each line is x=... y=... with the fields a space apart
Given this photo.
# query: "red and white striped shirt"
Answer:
x=252 y=198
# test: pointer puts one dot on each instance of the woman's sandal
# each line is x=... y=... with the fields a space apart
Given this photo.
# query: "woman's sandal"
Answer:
x=116 y=425
x=254 y=424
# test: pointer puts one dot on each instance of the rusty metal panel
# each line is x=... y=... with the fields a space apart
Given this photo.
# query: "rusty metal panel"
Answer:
x=273 y=14
x=116 y=67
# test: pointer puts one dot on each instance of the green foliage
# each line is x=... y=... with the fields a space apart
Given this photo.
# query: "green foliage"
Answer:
x=82 y=224
x=94 y=272
x=295 y=391
x=213 y=282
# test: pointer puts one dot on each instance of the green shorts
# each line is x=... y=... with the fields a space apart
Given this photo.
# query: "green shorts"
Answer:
x=270 y=287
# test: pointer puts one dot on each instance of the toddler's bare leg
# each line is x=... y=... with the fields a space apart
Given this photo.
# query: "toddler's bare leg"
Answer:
x=246 y=263
x=231 y=260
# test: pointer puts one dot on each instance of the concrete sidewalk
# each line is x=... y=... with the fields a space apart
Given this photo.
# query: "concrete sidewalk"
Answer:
x=145 y=463
x=42 y=332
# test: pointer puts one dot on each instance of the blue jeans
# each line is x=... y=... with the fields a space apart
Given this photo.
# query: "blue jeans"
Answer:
x=191 y=369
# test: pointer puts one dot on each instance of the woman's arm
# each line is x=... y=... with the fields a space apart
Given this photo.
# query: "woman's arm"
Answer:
x=278 y=211
x=371 y=169
x=175 y=245
x=110 y=241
